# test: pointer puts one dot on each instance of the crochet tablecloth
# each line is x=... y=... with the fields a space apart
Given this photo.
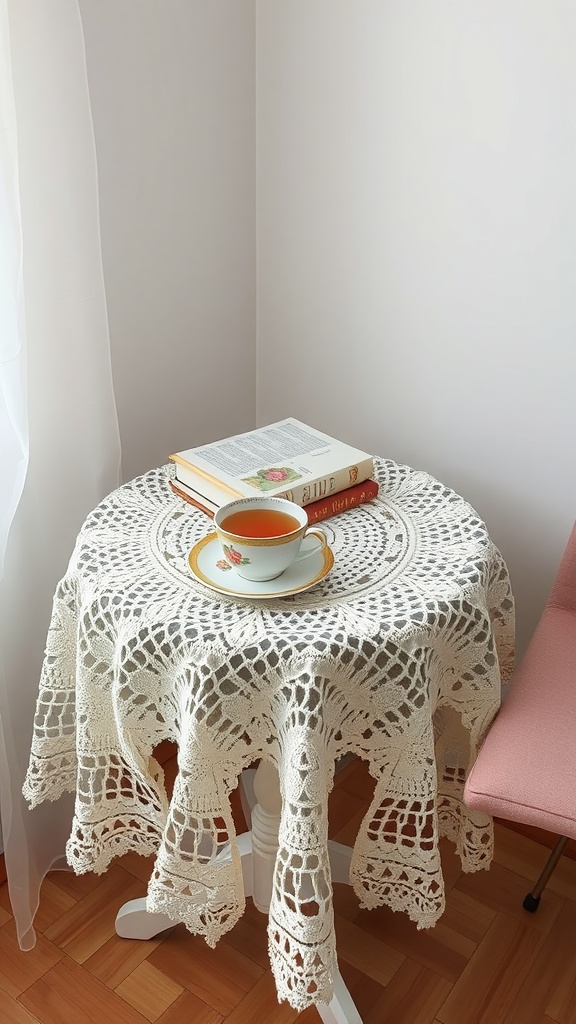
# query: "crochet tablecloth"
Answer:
x=397 y=656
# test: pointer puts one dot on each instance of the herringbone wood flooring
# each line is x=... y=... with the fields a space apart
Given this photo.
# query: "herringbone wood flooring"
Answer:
x=486 y=962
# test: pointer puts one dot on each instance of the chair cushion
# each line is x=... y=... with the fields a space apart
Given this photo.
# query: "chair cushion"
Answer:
x=526 y=768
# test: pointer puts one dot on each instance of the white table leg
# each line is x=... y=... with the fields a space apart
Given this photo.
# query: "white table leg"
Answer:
x=133 y=921
x=340 y=858
x=247 y=795
x=341 y=1009
x=262 y=805
x=264 y=826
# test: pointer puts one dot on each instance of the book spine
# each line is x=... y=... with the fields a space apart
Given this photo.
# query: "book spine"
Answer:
x=359 y=494
x=326 y=487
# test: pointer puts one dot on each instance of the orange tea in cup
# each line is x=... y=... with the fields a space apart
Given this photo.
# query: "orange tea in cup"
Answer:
x=260 y=522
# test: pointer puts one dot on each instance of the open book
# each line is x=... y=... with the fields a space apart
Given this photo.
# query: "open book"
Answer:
x=287 y=459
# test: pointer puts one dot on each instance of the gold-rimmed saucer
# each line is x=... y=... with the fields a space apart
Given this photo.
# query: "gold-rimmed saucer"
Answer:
x=208 y=566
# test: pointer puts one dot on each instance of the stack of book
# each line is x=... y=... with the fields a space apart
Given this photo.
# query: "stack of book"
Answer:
x=287 y=459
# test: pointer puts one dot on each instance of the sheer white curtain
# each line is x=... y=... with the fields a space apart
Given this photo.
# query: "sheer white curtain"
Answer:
x=59 y=443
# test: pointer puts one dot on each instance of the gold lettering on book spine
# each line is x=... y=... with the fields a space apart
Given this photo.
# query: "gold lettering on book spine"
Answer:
x=317 y=490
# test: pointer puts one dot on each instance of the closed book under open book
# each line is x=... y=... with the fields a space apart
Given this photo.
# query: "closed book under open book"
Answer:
x=287 y=459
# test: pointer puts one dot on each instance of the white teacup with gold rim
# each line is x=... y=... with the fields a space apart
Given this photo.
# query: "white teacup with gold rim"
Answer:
x=261 y=537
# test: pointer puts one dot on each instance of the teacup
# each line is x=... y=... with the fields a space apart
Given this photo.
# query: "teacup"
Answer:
x=261 y=537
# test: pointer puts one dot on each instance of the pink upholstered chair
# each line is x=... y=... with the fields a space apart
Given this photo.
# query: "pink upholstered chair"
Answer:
x=526 y=768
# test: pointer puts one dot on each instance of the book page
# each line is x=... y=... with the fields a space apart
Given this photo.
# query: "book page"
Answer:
x=284 y=441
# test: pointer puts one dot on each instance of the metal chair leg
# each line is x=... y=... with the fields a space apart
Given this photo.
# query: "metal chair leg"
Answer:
x=532 y=900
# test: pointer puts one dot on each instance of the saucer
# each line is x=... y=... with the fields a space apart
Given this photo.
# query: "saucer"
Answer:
x=208 y=565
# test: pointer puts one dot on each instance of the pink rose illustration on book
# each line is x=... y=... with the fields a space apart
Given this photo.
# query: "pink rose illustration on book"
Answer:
x=268 y=479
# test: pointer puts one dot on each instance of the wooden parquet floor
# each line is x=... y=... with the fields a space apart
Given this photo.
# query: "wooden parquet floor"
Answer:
x=486 y=962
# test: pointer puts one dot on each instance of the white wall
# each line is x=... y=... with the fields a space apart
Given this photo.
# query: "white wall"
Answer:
x=417 y=247
x=172 y=89
x=416 y=237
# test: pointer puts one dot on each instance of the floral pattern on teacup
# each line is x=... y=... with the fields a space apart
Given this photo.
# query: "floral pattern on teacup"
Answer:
x=234 y=557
